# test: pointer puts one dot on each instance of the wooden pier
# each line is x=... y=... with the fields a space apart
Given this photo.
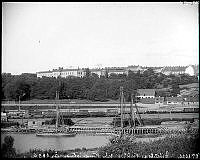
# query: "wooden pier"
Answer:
x=128 y=131
x=112 y=130
x=117 y=131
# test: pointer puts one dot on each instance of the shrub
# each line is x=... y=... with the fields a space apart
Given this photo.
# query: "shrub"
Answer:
x=170 y=146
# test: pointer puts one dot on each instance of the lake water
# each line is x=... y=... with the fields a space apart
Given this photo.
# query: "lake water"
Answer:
x=25 y=142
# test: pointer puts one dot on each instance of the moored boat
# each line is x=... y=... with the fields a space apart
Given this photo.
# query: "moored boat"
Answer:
x=58 y=131
x=56 y=134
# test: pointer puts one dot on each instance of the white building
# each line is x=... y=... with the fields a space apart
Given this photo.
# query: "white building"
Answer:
x=35 y=123
x=68 y=72
x=192 y=70
x=44 y=74
x=97 y=71
x=3 y=117
x=116 y=70
x=146 y=93
x=135 y=69
x=176 y=70
x=62 y=73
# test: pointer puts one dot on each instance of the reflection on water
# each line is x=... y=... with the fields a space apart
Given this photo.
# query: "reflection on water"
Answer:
x=25 y=142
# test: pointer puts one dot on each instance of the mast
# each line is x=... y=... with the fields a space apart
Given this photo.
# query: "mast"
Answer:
x=19 y=104
x=121 y=104
x=57 y=112
x=138 y=115
x=131 y=111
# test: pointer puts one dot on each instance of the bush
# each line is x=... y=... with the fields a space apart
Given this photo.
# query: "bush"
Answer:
x=7 y=150
x=170 y=146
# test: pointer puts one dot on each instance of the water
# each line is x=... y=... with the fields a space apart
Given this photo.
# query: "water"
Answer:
x=25 y=142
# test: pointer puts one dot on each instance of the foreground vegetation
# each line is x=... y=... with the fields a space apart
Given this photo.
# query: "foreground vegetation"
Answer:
x=169 y=147
x=90 y=87
x=172 y=146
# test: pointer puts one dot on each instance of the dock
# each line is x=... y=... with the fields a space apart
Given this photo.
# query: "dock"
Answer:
x=111 y=130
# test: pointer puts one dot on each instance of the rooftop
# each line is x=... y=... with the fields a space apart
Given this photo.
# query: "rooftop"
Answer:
x=146 y=92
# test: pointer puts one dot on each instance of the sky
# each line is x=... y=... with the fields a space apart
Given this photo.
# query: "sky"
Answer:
x=44 y=36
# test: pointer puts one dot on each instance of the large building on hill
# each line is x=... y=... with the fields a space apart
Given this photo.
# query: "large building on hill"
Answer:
x=173 y=70
x=192 y=70
x=115 y=70
x=135 y=69
x=62 y=73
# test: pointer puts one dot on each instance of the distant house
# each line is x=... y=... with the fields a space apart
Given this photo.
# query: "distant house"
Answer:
x=192 y=70
x=77 y=72
x=115 y=70
x=174 y=100
x=173 y=70
x=34 y=112
x=4 y=117
x=35 y=123
x=97 y=71
x=159 y=100
x=145 y=93
x=157 y=69
x=81 y=72
x=62 y=73
x=44 y=74
x=147 y=100
x=135 y=69
x=191 y=100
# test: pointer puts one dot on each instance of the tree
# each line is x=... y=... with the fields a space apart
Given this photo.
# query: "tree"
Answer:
x=87 y=72
x=106 y=73
x=7 y=148
x=113 y=76
x=149 y=72
x=175 y=89
x=94 y=75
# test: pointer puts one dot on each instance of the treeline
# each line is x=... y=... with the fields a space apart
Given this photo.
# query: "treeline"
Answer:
x=91 y=87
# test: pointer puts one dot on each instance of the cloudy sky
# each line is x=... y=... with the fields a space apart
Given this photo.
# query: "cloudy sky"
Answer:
x=42 y=36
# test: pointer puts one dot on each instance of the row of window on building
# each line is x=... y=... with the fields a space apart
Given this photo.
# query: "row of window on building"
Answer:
x=190 y=70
